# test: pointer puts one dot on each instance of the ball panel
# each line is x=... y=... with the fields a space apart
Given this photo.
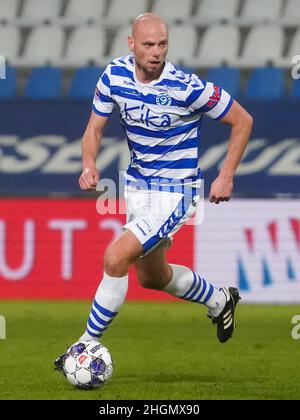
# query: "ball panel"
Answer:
x=106 y=357
x=83 y=376
x=70 y=364
x=71 y=378
x=108 y=373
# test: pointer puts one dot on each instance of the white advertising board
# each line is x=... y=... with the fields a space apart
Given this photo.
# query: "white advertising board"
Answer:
x=254 y=245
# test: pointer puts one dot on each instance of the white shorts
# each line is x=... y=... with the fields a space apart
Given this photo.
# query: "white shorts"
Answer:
x=154 y=216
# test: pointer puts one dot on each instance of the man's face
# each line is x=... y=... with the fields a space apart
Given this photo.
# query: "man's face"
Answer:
x=149 y=44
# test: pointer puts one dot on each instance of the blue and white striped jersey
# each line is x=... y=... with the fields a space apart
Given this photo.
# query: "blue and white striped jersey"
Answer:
x=161 y=119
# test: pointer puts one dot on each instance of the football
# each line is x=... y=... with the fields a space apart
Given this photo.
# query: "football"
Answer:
x=87 y=364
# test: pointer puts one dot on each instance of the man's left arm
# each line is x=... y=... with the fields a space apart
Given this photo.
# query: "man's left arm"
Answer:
x=241 y=125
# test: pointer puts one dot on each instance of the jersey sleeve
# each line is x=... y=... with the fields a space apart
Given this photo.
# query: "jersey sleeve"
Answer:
x=210 y=99
x=103 y=103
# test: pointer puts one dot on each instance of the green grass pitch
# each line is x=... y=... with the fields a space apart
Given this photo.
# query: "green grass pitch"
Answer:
x=160 y=351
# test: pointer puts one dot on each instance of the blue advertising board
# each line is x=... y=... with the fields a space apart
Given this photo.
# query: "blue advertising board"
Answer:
x=40 y=151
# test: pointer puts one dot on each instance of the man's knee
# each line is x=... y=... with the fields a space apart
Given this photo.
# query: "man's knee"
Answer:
x=115 y=264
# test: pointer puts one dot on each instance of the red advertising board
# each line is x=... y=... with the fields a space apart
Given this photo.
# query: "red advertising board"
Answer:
x=54 y=248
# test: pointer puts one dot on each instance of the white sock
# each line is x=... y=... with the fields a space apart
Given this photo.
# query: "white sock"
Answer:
x=188 y=285
x=109 y=298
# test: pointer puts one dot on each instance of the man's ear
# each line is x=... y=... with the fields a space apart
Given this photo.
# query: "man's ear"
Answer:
x=130 y=43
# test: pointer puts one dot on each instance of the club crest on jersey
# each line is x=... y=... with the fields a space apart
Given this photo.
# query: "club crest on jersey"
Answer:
x=163 y=99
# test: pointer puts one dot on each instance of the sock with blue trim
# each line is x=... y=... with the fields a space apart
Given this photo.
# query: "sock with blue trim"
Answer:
x=188 y=285
x=109 y=298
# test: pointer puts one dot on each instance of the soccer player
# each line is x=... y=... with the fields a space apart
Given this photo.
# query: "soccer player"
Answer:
x=161 y=110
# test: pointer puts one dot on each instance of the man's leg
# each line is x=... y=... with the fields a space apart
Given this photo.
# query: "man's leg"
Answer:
x=154 y=272
x=112 y=290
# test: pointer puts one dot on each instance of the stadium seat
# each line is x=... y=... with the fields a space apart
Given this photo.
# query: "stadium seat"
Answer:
x=86 y=45
x=266 y=83
x=263 y=45
x=44 y=46
x=44 y=83
x=215 y=11
x=291 y=14
x=226 y=77
x=293 y=50
x=8 y=10
x=9 y=43
x=295 y=91
x=257 y=11
x=8 y=86
x=122 y=12
x=80 y=12
x=35 y=12
x=179 y=10
x=119 y=45
x=219 y=45
x=84 y=82
x=182 y=44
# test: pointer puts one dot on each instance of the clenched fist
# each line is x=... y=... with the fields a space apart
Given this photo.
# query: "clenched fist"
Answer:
x=88 y=179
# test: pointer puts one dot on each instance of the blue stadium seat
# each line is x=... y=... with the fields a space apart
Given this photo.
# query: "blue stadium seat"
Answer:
x=266 y=83
x=44 y=83
x=8 y=86
x=84 y=82
x=295 y=92
x=226 y=77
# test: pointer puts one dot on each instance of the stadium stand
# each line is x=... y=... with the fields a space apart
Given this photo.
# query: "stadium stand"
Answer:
x=8 y=86
x=293 y=50
x=182 y=44
x=83 y=82
x=215 y=11
x=257 y=11
x=79 y=12
x=123 y=12
x=119 y=45
x=86 y=45
x=264 y=44
x=10 y=40
x=44 y=46
x=44 y=83
x=295 y=90
x=219 y=45
x=204 y=34
x=291 y=14
x=266 y=84
x=227 y=77
x=180 y=10
x=8 y=10
x=35 y=12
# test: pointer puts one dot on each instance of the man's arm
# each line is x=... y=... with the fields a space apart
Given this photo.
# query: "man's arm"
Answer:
x=241 y=123
x=90 y=146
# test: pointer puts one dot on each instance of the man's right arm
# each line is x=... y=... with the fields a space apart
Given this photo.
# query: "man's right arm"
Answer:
x=90 y=146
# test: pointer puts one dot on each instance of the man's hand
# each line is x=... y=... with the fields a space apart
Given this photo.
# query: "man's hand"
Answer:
x=221 y=189
x=88 y=179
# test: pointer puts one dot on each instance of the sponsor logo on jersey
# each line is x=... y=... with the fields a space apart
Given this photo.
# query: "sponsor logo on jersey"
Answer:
x=214 y=98
x=128 y=83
